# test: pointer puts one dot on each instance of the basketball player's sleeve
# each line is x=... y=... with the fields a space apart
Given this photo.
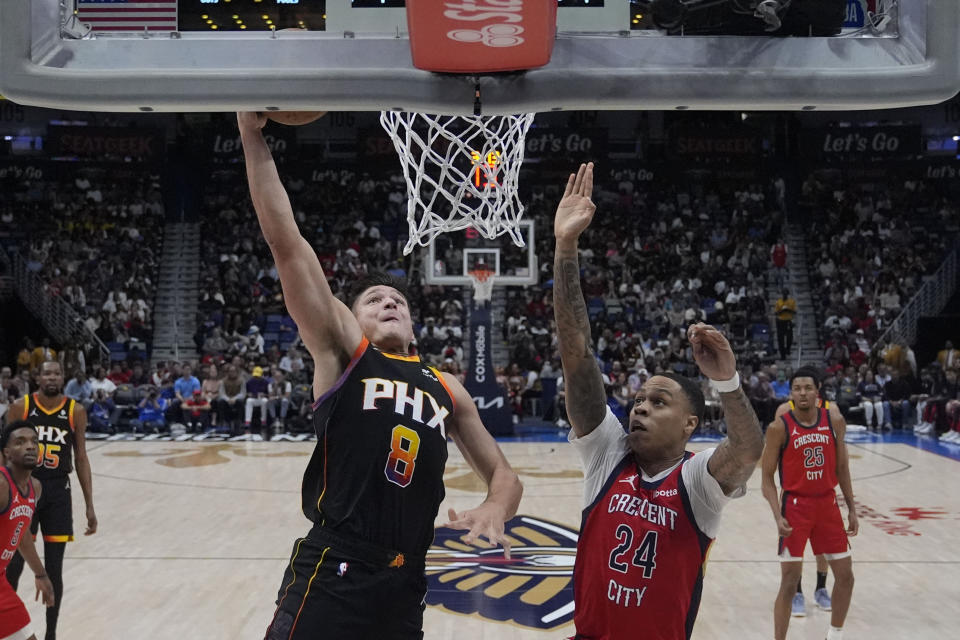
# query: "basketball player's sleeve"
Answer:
x=600 y=452
x=707 y=499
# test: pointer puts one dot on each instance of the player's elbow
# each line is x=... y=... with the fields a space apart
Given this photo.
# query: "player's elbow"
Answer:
x=284 y=245
x=753 y=453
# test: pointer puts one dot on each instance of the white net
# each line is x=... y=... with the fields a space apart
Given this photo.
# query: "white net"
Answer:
x=461 y=171
x=482 y=284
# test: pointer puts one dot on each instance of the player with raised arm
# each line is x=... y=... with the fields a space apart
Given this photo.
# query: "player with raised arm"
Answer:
x=375 y=482
x=652 y=508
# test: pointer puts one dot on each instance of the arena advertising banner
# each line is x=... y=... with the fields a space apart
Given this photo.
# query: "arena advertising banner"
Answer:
x=862 y=143
x=946 y=170
x=481 y=382
x=16 y=170
x=105 y=143
x=225 y=146
x=709 y=145
x=563 y=145
x=543 y=145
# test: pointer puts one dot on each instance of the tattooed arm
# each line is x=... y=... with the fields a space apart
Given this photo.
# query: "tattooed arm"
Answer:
x=585 y=396
x=736 y=457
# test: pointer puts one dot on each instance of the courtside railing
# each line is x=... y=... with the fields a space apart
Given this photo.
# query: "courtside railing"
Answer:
x=59 y=318
x=930 y=299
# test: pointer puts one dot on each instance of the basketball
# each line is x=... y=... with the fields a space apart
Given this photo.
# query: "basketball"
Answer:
x=295 y=118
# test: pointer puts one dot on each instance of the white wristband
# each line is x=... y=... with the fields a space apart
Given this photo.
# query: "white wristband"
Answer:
x=726 y=386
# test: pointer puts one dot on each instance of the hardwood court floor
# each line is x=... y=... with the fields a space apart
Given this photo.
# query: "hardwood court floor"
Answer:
x=194 y=538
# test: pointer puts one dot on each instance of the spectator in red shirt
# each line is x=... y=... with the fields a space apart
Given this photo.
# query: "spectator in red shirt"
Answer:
x=196 y=412
x=118 y=376
x=778 y=255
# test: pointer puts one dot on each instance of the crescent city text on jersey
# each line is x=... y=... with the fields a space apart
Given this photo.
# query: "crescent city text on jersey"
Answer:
x=642 y=507
x=811 y=438
x=21 y=510
x=397 y=390
x=654 y=513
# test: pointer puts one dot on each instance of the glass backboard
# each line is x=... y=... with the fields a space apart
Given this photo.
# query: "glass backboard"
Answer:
x=356 y=55
x=452 y=256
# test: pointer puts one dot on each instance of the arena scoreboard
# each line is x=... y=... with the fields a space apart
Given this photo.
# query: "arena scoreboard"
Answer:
x=251 y=15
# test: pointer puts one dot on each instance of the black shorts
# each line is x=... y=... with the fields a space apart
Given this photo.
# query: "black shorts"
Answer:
x=345 y=590
x=54 y=510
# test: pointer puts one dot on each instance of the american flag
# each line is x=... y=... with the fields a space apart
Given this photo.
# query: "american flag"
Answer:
x=128 y=15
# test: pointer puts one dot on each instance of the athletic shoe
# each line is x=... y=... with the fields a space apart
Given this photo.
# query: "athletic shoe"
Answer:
x=822 y=596
x=799 y=608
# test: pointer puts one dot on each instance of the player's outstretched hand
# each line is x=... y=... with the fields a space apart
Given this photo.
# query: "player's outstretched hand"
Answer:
x=45 y=589
x=712 y=352
x=486 y=520
x=251 y=120
x=576 y=209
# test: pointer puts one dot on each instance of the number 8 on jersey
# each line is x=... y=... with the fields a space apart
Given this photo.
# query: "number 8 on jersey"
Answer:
x=404 y=445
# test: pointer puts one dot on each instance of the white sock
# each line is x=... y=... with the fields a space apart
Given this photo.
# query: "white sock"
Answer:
x=835 y=633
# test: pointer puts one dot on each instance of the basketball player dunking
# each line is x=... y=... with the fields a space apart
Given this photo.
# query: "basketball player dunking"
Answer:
x=807 y=446
x=375 y=482
x=61 y=425
x=651 y=508
x=19 y=493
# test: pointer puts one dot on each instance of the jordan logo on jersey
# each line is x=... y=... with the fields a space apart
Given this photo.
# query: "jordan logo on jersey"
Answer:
x=376 y=389
x=631 y=480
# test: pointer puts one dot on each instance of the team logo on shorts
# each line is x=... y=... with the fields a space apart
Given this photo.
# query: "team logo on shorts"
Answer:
x=534 y=588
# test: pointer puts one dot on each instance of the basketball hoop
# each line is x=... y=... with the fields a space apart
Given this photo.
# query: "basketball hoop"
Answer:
x=482 y=284
x=461 y=171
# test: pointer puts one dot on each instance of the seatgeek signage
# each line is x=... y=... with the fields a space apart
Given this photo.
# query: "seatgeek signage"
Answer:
x=481 y=36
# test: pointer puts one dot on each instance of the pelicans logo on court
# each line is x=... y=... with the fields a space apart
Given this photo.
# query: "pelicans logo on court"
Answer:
x=534 y=588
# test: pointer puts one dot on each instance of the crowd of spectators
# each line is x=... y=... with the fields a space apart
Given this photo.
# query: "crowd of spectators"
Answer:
x=699 y=252
x=92 y=235
x=703 y=249
x=869 y=247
